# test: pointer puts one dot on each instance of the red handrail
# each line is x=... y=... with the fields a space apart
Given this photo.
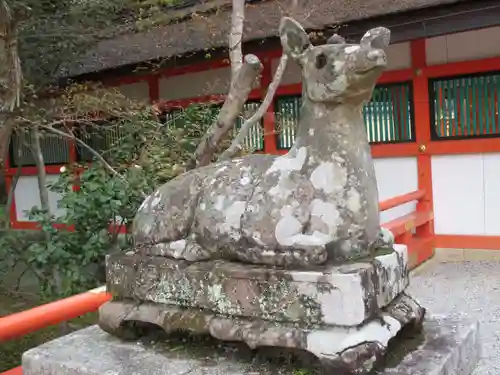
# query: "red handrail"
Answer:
x=14 y=371
x=420 y=244
x=25 y=322
x=401 y=199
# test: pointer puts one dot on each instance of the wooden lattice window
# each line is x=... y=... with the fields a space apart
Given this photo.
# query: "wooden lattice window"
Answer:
x=465 y=106
x=55 y=149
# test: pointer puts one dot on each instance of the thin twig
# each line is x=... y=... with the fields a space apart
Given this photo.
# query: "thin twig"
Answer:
x=271 y=91
x=90 y=149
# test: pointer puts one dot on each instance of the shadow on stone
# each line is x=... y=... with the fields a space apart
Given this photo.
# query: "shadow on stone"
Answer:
x=205 y=348
x=408 y=340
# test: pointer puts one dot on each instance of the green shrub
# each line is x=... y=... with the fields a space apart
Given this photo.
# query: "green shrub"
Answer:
x=147 y=153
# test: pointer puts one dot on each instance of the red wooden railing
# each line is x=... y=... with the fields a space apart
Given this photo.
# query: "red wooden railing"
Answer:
x=414 y=230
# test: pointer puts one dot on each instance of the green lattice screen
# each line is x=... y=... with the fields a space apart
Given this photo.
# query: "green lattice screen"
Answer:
x=287 y=112
x=255 y=139
x=172 y=115
x=55 y=149
x=388 y=116
x=100 y=137
x=465 y=106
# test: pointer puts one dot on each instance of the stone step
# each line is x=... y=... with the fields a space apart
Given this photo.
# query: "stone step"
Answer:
x=450 y=346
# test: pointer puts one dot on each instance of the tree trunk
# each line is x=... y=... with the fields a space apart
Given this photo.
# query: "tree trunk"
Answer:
x=10 y=71
x=232 y=107
x=45 y=206
x=271 y=91
x=40 y=166
x=15 y=179
x=244 y=73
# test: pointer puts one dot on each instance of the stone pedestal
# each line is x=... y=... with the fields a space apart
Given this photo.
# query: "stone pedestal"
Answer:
x=344 y=315
x=346 y=295
x=447 y=346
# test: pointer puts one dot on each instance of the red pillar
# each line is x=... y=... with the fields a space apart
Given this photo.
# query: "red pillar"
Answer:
x=422 y=131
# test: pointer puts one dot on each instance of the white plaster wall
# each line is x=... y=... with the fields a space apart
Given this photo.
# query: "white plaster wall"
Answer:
x=466 y=191
x=27 y=195
x=396 y=176
x=465 y=46
x=136 y=91
x=191 y=85
x=398 y=57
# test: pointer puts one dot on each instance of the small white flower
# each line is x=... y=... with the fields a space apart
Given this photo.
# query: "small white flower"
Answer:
x=63 y=169
x=137 y=166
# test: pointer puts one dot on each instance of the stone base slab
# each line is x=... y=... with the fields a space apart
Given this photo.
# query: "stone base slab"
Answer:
x=449 y=347
x=338 y=348
x=333 y=295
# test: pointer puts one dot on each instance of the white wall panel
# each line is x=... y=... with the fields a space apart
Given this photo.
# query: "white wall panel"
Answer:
x=458 y=188
x=491 y=194
x=191 y=85
x=396 y=176
x=465 y=46
x=27 y=195
x=467 y=194
x=136 y=91
x=399 y=56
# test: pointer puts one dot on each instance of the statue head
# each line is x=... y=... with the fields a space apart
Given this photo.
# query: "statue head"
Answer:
x=336 y=72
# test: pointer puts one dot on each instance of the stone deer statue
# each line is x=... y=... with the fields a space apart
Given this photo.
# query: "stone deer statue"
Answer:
x=317 y=204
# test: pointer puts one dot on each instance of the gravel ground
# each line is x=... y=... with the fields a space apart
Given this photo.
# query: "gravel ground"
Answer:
x=468 y=288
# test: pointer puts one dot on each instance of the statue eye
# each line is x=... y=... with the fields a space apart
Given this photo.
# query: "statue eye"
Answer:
x=321 y=61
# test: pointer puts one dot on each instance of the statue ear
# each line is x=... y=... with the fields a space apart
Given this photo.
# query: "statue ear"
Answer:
x=293 y=37
x=378 y=37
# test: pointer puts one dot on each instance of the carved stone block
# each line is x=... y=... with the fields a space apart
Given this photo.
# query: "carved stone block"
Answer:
x=344 y=295
x=349 y=349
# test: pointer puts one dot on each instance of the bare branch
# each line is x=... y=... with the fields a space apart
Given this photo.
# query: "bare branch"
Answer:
x=90 y=149
x=232 y=107
x=271 y=91
x=236 y=36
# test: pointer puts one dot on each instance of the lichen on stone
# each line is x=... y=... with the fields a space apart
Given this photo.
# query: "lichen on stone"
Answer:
x=221 y=302
x=178 y=291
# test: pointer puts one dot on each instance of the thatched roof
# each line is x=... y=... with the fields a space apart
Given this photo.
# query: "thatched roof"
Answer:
x=211 y=30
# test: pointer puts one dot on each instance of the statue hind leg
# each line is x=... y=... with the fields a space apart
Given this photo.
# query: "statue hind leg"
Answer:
x=163 y=225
